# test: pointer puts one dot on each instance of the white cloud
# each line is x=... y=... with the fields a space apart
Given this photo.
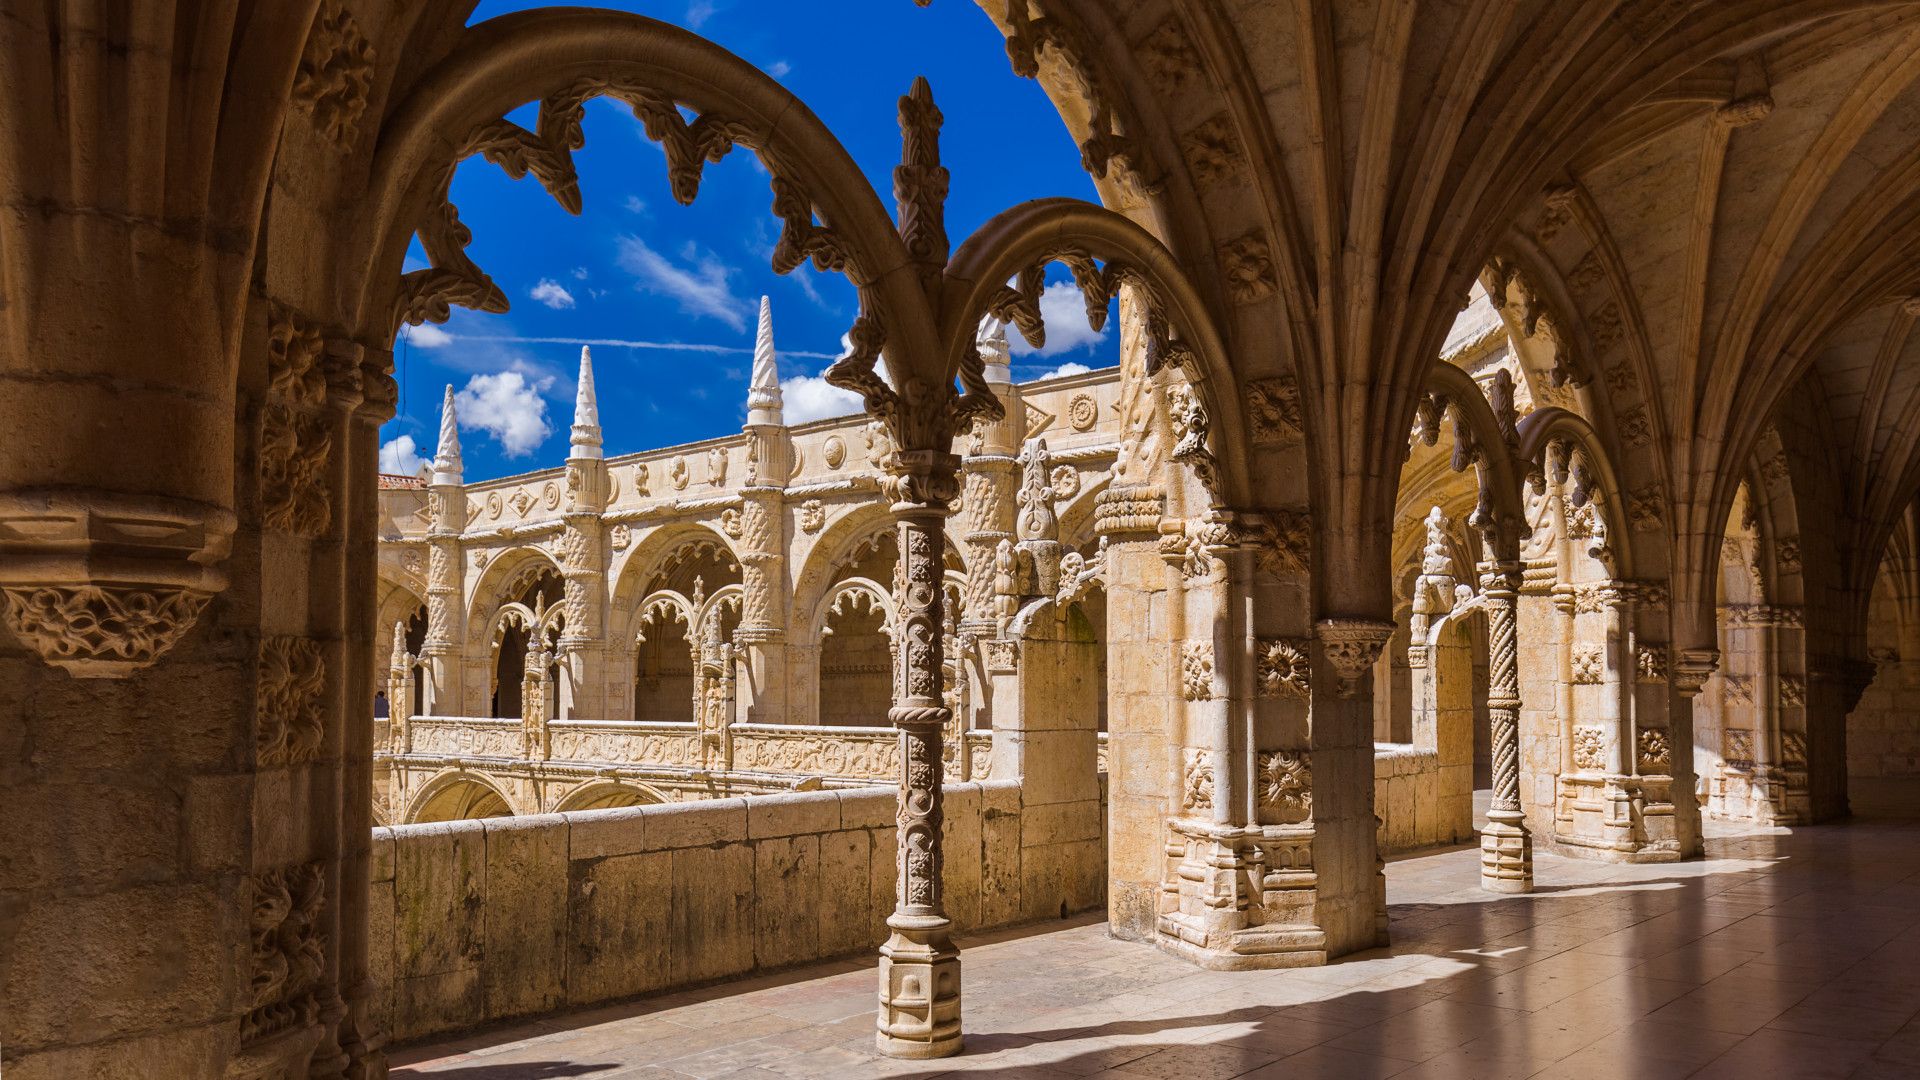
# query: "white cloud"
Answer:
x=635 y=204
x=580 y=272
x=552 y=294
x=779 y=68
x=1068 y=368
x=426 y=335
x=701 y=290
x=400 y=457
x=507 y=407
x=699 y=12
x=1065 y=314
x=810 y=397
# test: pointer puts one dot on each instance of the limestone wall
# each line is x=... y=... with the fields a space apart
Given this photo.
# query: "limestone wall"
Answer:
x=480 y=921
x=1406 y=798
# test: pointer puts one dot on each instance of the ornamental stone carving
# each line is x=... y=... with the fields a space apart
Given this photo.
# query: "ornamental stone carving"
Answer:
x=1082 y=413
x=1066 y=481
x=1213 y=152
x=335 y=74
x=1286 y=668
x=1351 y=647
x=1621 y=378
x=289 y=951
x=1656 y=753
x=521 y=502
x=677 y=474
x=1650 y=662
x=834 y=451
x=1273 y=407
x=1793 y=691
x=1793 y=749
x=1589 y=748
x=294 y=495
x=1247 y=265
x=813 y=516
x=495 y=504
x=717 y=466
x=1786 y=554
x=1646 y=509
x=1196 y=670
x=1589 y=664
x=1002 y=656
x=96 y=632
x=292 y=724
x=619 y=537
x=551 y=495
x=1739 y=747
x=1285 y=540
x=1739 y=689
x=1635 y=429
x=1196 y=781
x=1284 y=779
x=730 y=523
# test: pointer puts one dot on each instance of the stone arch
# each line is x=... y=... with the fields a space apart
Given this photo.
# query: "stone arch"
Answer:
x=505 y=575
x=607 y=794
x=658 y=553
x=456 y=795
x=855 y=624
x=662 y=663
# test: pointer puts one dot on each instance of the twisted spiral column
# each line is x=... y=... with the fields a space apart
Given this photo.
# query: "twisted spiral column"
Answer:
x=1506 y=847
x=919 y=967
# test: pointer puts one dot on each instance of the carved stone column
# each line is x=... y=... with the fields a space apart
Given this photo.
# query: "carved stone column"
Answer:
x=919 y=967
x=989 y=477
x=1506 y=847
x=400 y=694
x=446 y=630
x=1690 y=670
x=1350 y=646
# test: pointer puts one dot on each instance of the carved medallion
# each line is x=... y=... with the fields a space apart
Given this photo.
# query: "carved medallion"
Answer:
x=834 y=452
x=1083 y=413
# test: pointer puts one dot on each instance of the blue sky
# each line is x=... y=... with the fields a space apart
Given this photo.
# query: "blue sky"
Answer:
x=638 y=267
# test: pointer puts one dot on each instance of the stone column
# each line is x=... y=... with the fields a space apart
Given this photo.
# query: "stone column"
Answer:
x=1506 y=847
x=1353 y=912
x=400 y=694
x=446 y=570
x=583 y=560
x=919 y=966
x=1689 y=671
x=989 y=475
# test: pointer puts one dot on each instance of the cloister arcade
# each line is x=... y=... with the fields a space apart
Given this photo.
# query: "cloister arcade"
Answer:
x=1512 y=398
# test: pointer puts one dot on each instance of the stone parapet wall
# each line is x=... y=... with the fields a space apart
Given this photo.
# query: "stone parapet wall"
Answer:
x=482 y=921
x=1406 y=797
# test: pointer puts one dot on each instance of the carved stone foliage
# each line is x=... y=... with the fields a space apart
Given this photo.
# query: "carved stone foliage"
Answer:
x=294 y=352
x=854 y=756
x=1786 y=554
x=294 y=494
x=292 y=723
x=1589 y=664
x=1273 y=409
x=1621 y=379
x=1065 y=480
x=1190 y=427
x=1196 y=780
x=1285 y=540
x=1286 y=668
x=813 y=516
x=1196 y=670
x=1213 y=152
x=97 y=632
x=1651 y=663
x=289 y=951
x=1109 y=150
x=1351 y=647
x=1284 y=781
x=1247 y=264
x=1589 y=748
x=335 y=74
x=1793 y=749
x=1656 y=751
x=1635 y=428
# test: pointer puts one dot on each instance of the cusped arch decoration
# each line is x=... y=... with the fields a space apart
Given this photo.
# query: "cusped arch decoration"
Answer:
x=653 y=555
x=852 y=594
x=456 y=794
x=506 y=574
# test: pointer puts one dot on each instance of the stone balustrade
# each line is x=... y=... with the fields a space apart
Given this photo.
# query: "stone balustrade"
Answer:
x=481 y=921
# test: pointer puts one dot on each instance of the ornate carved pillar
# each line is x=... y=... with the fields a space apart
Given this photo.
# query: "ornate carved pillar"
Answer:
x=583 y=559
x=446 y=570
x=1689 y=671
x=400 y=694
x=535 y=694
x=762 y=633
x=989 y=478
x=1350 y=646
x=1506 y=847
x=919 y=967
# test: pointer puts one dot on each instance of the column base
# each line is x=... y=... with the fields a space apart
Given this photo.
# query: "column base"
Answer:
x=1506 y=857
x=919 y=990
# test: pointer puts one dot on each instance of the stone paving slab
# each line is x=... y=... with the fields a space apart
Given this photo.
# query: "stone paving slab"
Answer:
x=1781 y=955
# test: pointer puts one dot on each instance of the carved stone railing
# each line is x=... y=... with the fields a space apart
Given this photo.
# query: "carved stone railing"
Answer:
x=467 y=735
x=624 y=742
x=866 y=753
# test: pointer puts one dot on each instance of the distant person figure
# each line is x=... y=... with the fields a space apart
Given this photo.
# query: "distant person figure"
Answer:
x=379 y=704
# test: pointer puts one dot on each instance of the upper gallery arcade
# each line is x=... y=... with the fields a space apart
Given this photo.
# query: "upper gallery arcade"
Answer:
x=1514 y=397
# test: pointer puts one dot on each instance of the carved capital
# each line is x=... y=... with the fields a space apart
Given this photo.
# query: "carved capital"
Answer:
x=103 y=584
x=1691 y=668
x=1352 y=646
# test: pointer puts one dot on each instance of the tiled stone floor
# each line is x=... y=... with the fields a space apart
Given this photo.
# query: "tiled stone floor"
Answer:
x=1780 y=955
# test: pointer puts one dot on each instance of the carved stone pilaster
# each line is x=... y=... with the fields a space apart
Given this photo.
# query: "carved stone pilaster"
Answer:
x=987 y=499
x=1506 y=846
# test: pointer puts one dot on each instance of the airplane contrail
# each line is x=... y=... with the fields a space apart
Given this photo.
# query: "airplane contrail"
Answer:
x=680 y=346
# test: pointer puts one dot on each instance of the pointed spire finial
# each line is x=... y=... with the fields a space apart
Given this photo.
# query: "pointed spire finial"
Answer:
x=586 y=412
x=447 y=465
x=763 y=392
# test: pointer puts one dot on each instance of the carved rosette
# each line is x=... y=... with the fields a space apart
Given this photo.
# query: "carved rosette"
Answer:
x=1196 y=670
x=1656 y=751
x=1589 y=749
x=1196 y=778
x=1351 y=647
x=104 y=584
x=1285 y=668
